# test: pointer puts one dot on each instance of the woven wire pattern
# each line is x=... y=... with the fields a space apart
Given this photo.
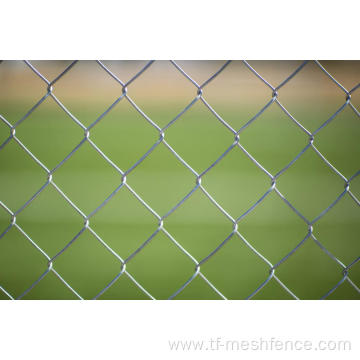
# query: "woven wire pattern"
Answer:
x=199 y=96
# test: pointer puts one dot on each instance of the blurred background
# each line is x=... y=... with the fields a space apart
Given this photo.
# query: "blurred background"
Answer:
x=236 y=183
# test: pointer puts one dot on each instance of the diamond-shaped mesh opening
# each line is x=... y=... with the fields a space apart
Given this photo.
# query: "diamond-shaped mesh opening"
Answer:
x=20 y=176
x=247 y=270
x=317 y=186
x=87 y=178
x=339 y=230
x=50 y=220
x=161 y=267
x=49 y=133
x=124 y=223
x=345 y=131
x=198 y=225
x=21 y=264
x=159 y=80
x=236 y=182
x=87 y=265
x=236 y=95
x=199 y=137
x=275 y=131
x=124 y=135
x=311 y=89
x=155 y=178
x=87 y=83
x=20 y=89
x=310 y=271
x=273 y=228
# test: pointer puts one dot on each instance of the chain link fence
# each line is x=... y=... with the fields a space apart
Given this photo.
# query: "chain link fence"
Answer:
x=344 y=274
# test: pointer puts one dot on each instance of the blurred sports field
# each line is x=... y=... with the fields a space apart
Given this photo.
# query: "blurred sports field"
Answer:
x=236 y=183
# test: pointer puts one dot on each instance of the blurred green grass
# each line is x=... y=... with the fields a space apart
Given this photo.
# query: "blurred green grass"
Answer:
x=162 y=181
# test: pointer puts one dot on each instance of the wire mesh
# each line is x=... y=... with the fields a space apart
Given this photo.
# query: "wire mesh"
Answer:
x=199 y=96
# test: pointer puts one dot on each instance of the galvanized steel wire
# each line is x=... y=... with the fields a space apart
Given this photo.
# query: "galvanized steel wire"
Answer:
x=199 y=96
